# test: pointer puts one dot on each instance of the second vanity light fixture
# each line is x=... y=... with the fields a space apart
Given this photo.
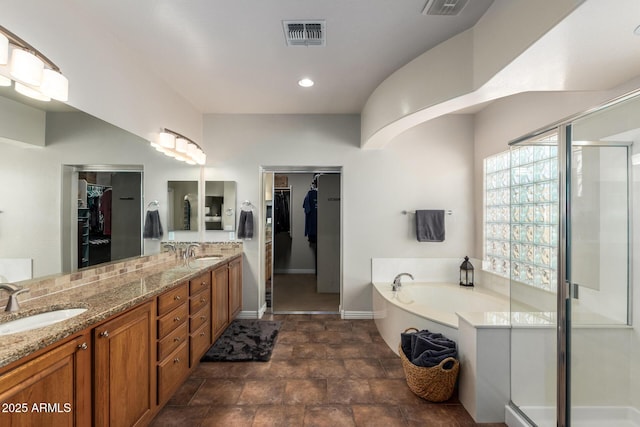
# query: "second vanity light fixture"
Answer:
x=32 y=73
x=179 y=147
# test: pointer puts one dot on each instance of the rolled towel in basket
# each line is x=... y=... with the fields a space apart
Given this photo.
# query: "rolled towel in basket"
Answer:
x=427 y=349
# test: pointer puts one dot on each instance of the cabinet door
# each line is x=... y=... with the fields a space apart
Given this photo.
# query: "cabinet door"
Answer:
x=235 y=288
x=54 y=389
x=125 y=378
x=220 y=301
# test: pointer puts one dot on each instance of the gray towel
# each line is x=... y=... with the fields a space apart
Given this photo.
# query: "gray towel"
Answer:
x=245 y=225
x=152 y=226
x=430 y=225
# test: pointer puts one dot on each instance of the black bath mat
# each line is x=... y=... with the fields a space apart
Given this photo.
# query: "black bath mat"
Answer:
x=244 y=340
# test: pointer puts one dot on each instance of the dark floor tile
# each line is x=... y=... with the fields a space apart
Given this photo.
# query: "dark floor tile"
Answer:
x=309 y=392
x=231 y=369
x=358 y=337
x=392 y=367
x=393 y=391
x=180 y=416
x=364 y=368
x=328 y=337
x=437 y=415
x=349 y=391
x=227 y=416
x=328 y=416
x=186 y=391
x=282 y=351
x=377 y=416
x=344 y=351
x=262 y=392
x=309 y=326
x=309 y=351
x=278 y=416
x=294 y=368
x=294 y=337
x=326 y=368
x=217 y=392
x=338 y=325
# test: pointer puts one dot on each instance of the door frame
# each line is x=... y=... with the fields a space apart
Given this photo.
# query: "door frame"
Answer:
x=263 y=170
x=69 y=207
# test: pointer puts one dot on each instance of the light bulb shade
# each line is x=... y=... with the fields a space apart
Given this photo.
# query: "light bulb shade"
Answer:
x=181 y=145
x=5 y=81
x=4 y=49
x=26 y=67
x=201 y=158
x=30 y=92
x=192 y=149
x=167 y=140
x=55 y=85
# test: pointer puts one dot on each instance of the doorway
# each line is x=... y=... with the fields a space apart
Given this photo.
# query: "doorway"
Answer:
x=302 y=251
x=104 y=217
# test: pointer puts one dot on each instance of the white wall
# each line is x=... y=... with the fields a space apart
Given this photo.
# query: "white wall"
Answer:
x=429 y=166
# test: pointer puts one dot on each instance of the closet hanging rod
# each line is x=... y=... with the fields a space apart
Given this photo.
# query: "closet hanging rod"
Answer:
x=448 y=212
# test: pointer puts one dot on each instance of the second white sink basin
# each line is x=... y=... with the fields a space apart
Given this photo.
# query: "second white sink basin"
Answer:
x=39 y=320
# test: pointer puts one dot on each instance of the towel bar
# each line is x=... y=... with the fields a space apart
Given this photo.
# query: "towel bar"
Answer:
x=448 y=212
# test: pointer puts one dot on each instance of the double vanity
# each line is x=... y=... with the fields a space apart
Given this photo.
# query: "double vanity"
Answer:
x=134 y=332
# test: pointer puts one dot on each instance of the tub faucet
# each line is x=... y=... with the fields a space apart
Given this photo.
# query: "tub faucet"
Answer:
x=14 y=291
x=396 y=281
x=170 y=247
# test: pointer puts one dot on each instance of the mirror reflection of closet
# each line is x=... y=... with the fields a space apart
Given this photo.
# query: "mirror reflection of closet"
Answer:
x=182 y=212
x=219 y=205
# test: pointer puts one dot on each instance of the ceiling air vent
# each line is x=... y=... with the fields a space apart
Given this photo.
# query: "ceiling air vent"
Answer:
x=444 y=7
x=304 y=33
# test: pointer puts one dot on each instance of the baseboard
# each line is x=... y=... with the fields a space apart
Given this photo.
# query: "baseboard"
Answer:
x=345 y=314
x=245 y=314
x=294 y=271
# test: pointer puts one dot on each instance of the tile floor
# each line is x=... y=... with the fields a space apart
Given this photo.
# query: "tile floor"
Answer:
x=324 y=371
x=297 y=292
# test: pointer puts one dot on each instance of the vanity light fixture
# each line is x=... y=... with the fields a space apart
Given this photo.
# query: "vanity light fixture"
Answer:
x=179 y=147
x=33 y=74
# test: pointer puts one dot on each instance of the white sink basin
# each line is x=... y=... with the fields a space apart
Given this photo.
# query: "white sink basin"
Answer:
x=39 y=320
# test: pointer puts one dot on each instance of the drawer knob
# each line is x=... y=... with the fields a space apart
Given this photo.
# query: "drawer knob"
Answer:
x=204 y=283
x=177 y=298
x=201 y=334
x=176 y=360
x=203 y=317
x=176 y=319
x=202 y=300
x=83 y=346
x=176 y=339
x=104 y=334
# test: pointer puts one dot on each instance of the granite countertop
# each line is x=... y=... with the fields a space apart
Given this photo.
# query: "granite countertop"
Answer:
x=102 y=299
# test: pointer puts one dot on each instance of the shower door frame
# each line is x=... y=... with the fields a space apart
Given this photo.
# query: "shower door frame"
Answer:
x=565 y=290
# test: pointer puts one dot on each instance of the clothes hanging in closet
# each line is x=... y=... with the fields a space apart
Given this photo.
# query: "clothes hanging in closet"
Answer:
x=105 y=210
x=310 y=206
x=186 y=214
x=282 y=214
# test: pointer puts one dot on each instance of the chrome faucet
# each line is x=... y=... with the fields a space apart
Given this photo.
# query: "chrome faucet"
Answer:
x=190 y=252
x=171 y=247
x=14 y=291
x=396 y=281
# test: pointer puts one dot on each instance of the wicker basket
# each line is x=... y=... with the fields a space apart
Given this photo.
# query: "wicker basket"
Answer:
x=434 y=384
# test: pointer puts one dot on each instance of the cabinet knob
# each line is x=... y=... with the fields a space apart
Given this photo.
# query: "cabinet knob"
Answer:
x=83 y=346
x=176 y=360
x=203 y=300
x=176 y=339
x=201 y=334
x=104 y=334
x=203 y=317
x=176 y=319
x=177 y=298
x=204 y=284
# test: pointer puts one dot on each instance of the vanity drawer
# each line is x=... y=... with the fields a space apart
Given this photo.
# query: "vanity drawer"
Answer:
x=199 y=283
x=172 y=320
x=172 y=298
x=199 y=343
x=169 y=343
x=199 y=300
x=198 y=319
x=172 y=371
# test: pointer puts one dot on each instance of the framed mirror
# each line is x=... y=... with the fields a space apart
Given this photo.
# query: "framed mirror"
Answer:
x=220 y=205
x=182 y=209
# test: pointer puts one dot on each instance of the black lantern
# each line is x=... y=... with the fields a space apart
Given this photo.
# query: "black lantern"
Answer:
x=466 y=273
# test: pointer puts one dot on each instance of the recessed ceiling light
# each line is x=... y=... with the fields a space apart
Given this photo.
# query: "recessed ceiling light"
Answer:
x=305 y=82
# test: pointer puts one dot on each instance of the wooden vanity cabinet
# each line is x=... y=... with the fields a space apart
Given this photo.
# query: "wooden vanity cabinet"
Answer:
x=199 y=317
x=235 y=288
x=52 y=389
x=219 y=301
x=124 y=374
x=172 y=341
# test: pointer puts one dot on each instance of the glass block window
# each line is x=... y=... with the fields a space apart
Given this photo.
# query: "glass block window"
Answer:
x=521 y=214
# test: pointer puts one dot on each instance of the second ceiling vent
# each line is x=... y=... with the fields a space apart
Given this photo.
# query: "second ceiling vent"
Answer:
x=304 y=33
x=444 y=7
